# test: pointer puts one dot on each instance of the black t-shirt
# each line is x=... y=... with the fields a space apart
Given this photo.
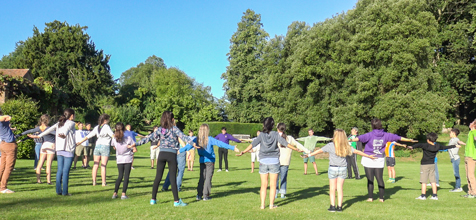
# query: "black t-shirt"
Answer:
x=430 y=151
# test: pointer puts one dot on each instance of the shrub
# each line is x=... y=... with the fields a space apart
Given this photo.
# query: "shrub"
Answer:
x=463 y=129
x=25 y=116
x=402 y=153
x=234 y=128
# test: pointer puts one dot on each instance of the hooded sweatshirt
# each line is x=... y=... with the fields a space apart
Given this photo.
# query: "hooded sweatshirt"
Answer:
x=206 y=153
x=376 y=140
x=269 y=144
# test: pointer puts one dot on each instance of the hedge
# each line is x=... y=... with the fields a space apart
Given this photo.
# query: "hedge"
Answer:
x=234 y=128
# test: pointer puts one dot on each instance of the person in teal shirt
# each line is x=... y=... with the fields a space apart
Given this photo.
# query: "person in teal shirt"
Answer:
x=310 y=143
x=352 y=159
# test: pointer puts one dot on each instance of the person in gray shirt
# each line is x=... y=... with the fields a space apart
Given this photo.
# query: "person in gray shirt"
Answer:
x=455 y=159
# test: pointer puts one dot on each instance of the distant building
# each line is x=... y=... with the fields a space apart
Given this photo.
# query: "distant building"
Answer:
x=22 y=73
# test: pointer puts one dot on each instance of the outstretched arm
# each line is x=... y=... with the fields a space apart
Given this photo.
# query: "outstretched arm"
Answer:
x=246 y=150
x=408 y=140
x=364 y=154
x=461 y=143
x=316 y=152
x=401 y=145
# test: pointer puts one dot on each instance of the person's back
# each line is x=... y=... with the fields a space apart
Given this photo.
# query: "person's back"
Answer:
x=268 y=144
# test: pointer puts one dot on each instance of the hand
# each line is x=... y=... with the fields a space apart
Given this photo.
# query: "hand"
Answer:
x=79 y=143
x=372 y=157
x=241 y=153
x=196 y=146
x=8 y=117
x=62 y=136
x=32 y=136
x=405 y=146
x=304 y=156
x=458 y=146
x=134 y=149
x=18 y=141
x=300 y=151
x=414 y=141
x=410 y=147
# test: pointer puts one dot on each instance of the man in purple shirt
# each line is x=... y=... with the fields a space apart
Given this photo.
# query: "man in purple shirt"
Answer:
x=222 y=152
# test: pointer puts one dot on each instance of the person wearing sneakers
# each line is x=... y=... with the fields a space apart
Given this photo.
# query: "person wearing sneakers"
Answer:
x=223 y=153
x=390 y=159
x=470 y=161
x=124 y=146
x=427 y=167
x=352 y=159
x=132 y=134
x=8 y=149
x=455 y=159
x=154 y=150
x=310 y=144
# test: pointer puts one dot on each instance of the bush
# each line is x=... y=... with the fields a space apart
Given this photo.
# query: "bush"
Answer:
x=463 y=129
x=403 y=153
x=234 y=128
x=25 y=116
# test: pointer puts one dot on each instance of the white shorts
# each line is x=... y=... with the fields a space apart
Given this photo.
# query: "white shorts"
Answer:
x=154 y=153
x=377 y=163
x=47 y=148
x=254 y=157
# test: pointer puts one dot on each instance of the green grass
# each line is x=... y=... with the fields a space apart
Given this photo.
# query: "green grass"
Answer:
x=235 y=194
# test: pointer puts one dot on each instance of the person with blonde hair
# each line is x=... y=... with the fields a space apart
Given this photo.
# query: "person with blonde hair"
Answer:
x=338 y=149
x=190 y=155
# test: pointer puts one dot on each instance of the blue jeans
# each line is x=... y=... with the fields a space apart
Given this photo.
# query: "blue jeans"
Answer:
x=437 y=176
x=456 y=172
x=181 y=160
x=37 y=153
x=62 y=176
x=283 y=176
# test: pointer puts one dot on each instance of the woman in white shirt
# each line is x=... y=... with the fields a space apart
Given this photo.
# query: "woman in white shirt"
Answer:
x=103 y=146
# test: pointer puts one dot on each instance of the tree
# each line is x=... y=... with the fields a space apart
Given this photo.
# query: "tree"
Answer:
x=244 y=77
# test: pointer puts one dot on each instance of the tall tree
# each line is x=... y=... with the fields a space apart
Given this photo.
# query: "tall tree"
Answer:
x=244 y=77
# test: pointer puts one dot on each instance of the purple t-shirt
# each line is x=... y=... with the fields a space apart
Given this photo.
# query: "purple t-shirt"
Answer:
x=375 y=142
x=123 y=154
x=226 y=138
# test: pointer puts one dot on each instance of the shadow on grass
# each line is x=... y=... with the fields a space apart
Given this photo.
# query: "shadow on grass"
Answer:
x=303 y=194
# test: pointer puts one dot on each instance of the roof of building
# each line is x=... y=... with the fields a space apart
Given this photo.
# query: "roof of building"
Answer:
x=14 y=72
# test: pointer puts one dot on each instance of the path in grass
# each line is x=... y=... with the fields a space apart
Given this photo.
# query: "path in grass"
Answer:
x=235 y=195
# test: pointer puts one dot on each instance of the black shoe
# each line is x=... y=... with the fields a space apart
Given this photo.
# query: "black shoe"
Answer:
x=59 y=194
x=74 y=168
x=339 y=209
x=332 y=209
x=358 y=178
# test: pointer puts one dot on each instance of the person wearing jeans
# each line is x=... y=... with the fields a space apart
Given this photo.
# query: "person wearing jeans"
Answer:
x=181 y=160
x=62 y=175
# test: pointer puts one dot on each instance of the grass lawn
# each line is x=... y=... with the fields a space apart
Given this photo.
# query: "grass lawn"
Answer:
x=235 y=194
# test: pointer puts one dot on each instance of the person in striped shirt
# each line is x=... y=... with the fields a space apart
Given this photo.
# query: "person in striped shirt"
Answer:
x=390 y=159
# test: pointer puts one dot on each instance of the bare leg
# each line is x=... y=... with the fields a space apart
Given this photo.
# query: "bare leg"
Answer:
x=315 y=167
x=75 y=161
x=264 y=187
x=104 y=160
x=272 y=188
x=340 y=191
x=423 y=188
x=38 y=167
x=332 y=191
x=85 y=160
x=305 y=168
x=152 y=163
x=434 y=188
x=49 y=161
x=252 y=166
x=95 y=168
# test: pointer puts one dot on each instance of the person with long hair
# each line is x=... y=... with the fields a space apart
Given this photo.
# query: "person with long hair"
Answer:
x=8 y=150
x=207 y=160
x=375 y=142
x=338 y=149
x=268 y=159
x=181 y=161
x=285 y=159
x=38 y=141
x=190 y=155
x=47 y=150
x=102 y=150
x=168 y=135
x=65 y=147
x=124 y=145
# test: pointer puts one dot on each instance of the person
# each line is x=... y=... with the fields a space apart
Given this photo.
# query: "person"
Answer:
x=65 y=147
x=190 y=154
x=47 y=150
x=455 y=159
x=470 y=161
x=269 y=159
x=102 y=150
x=168 y=135
x=91 y=144
x=337 y=171
x=181 y=160
x=310 y=143
x=38 y=141
x=427 y=167
x=285 y=159
x=154 y=149
x=223 y=153
x=123 y=146
x=352 y=159
x=82 y=149
x=375 y=145
x=8 y=149
x=390 y=159
x=254 y=152
x=133 y=135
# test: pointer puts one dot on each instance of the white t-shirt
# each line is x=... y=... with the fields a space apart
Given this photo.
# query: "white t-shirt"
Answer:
x=123 y=154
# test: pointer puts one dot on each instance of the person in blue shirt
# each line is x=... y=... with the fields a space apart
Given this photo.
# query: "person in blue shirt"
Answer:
x=132 y=134
x=207 y=160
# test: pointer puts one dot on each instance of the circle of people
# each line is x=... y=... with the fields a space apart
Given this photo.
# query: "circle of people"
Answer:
x=271 y=148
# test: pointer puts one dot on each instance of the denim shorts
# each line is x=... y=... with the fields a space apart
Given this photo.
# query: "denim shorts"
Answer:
x=268 y=168
x=337 y=172
x=102 y=150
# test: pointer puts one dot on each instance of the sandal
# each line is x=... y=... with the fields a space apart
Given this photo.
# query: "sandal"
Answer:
x=261 y=207
x=94 y=183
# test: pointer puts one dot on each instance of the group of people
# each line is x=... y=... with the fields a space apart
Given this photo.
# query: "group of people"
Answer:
x=273 y=149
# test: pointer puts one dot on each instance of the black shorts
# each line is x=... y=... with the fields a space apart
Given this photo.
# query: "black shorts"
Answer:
x=390 y=161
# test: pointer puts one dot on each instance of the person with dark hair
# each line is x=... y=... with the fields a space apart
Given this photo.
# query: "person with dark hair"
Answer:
x=81 y=150
x=132 y=134
x=375 y=142
x=8 y=149
x=427 y=167
x=269 y=159
x=91 y=144
x=455 y=159
x=310 y=144
x=167 y=135
x=124 y=145
x=65 y=147
x=154 y=149
x=352 y=159
x=222 y=152
x=181 y=161
x=102 y=150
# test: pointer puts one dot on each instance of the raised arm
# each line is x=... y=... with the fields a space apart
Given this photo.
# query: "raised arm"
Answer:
x=408 y=140
x=187 y=139
x=231 y=138
x=34 y=130
x=221 y=144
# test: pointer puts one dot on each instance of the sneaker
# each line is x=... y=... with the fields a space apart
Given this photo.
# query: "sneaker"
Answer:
x=7 y=191
x=456 y=190
x=389 y=181
x=180 y=203
x=133 y=168
x=226 y=171
x=282 y=196
x=421 y=198
x=114 y=196
x=332 y=209
x=434 y=197
x=153 y=202
x=469 y=196
x=429 y=184
x=276 y=196
x=339 y=209
x=124 y=197
x=206 y=198
x=199 y=198
x=437 y=185
x=219 y=170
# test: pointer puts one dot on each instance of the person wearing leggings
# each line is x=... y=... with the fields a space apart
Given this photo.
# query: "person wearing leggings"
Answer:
x=168 y=135
x=375 y=142
x=124 y=152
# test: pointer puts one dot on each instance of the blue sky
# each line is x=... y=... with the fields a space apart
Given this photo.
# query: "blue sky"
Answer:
x=191 y=35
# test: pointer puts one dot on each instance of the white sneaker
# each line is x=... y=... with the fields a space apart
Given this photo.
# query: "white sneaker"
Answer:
x=456 y=190
x=421 y=198
x=226 y=171
x=434 y=197
x=437 y=185
x=429 y=184
x=132 y=168
x=219 y=170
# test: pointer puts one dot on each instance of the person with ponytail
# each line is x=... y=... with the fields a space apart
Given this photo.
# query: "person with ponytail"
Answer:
x=167 y=135
x=102 y=150
x=207 y=160
x=65 y=148
x=268 y=159
x=285 y=159
x=338 y=149
x=124 y=145
x=8 y=151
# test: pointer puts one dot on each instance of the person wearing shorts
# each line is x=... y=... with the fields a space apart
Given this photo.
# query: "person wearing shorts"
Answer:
x=81 y=150
x=390 y=159
x=154 y=150
x=310 y=143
